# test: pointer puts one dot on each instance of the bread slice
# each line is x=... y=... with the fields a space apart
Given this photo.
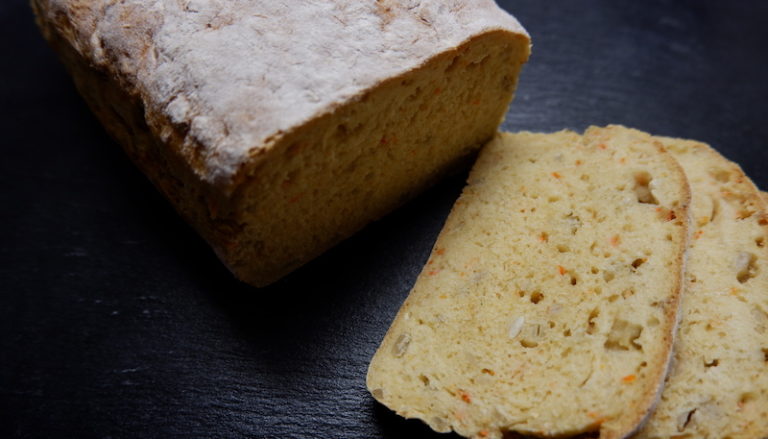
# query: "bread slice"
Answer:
x=718 y=386
x=549 y=303
x=277 y=130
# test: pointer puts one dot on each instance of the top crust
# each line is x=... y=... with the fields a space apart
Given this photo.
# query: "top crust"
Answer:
x=234 y=76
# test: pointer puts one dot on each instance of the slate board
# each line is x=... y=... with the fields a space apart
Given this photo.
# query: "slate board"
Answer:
x=116 y=320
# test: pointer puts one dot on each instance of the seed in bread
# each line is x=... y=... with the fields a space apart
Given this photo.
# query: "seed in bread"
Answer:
x=549 y=303
x=277 y=129
x=718 y=385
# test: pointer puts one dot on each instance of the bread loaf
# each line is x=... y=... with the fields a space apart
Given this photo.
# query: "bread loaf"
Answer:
x=279 y=129
x=549 y=302
x=718 y=385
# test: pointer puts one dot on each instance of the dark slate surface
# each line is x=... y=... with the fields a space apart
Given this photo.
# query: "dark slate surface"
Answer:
x=117 y=321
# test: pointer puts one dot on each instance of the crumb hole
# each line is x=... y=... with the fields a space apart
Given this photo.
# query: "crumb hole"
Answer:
x=623 y=336
x=746 y=398
x=488 y=372
x=521 y=293
x=642 y=188
x=715 y=209
x=746 y=266
x=765 y=354
x=760 y=241
x=536 y=297
x=608 y=275
x=574 y=222
x=563 y=248
x=424 y=379
x=594 y=270
x=638 y=262
x=553 y=199
x=574 y=280
x=684 y=419
x=591 y=323
x=612 y=298
x=551 y=324
x=713 y=363
x=653 y=321
x=401 y=345
x=629 y=292
x=531 y=335
x=567 y=333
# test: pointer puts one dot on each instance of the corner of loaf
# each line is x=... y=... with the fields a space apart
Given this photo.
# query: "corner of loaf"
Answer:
x=275 y=142
x=332 y=176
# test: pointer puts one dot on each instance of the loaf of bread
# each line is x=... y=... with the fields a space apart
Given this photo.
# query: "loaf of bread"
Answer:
x=718 y=385
x=549 y=302
x=279 y=129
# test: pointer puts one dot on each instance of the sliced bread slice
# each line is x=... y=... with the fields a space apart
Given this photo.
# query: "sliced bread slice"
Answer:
x=718 y=385
x=549 y=303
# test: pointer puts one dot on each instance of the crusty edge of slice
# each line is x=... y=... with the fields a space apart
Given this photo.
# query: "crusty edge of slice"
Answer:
x=654 y=396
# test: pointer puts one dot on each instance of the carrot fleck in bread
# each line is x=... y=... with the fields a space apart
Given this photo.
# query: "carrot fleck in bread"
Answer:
x=718 y=385
x=279 y=129
x=549 y=303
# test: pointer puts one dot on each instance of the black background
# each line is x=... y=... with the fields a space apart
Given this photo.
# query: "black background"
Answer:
x=116 y=320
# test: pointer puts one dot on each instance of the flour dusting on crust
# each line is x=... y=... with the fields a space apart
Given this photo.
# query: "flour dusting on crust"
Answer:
x=234 y=75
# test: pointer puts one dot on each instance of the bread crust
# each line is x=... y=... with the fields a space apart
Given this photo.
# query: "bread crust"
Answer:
x=229 y=102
